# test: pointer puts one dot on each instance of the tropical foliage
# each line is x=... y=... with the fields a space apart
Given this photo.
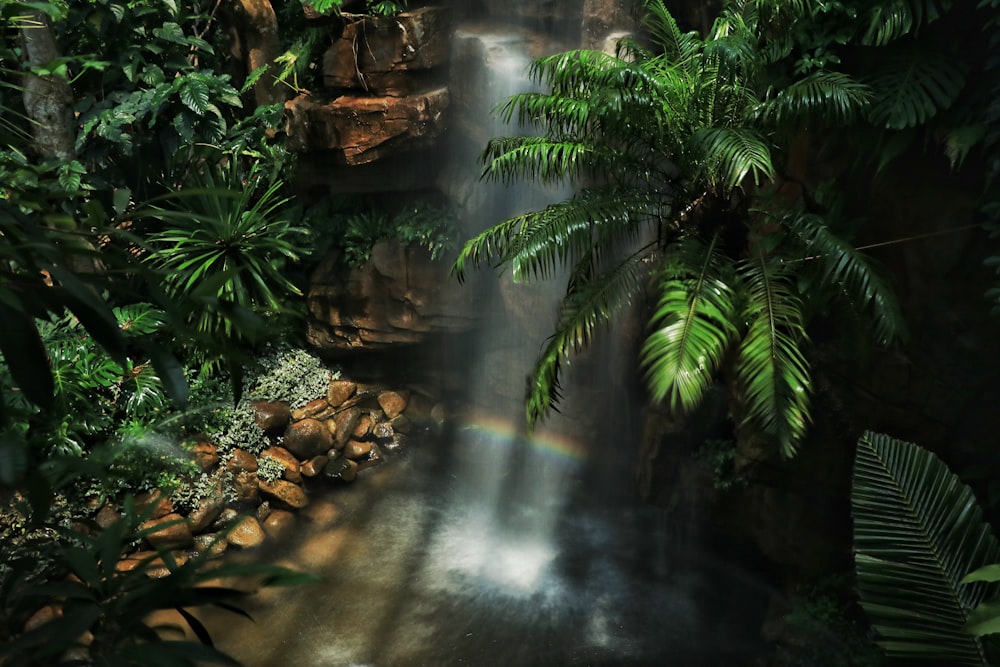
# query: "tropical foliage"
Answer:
x=675 y=151
x=918 y=531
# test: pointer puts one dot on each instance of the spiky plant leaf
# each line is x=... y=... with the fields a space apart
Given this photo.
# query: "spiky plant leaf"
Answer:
x=725 y=156
x=693 y=324
x=912 y=88
x=771 y=370
x=591 y=302
x=830 y=96
x=917 y=532
x=858 y=274
x=890 y=19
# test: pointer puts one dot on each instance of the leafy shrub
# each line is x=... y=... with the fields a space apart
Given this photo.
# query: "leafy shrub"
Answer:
x=225 y=244
x=292 y=375
x=269 y=469
x=240 y=431
x=356 y=226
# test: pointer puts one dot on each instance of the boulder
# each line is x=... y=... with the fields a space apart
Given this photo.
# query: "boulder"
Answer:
x=206 y=455
x=314 y=466
x=383 y=430
x=357 y=449
x=341 y=468
x=400 y=297
x=155 y=504
x=363 y=426
x=307 y=438
x=201 y=517
x=339 y=391
x=240 y=460
x=362 y=129
x=247 y=533
x=390 y=55
x=392 y=403
x=279 y=524
x=287 y=460
x=246 y=486
x=168 y=532
x=212 y=545
x=271 y=416
x=310 y=409
x=345 y=424
x=285 y=492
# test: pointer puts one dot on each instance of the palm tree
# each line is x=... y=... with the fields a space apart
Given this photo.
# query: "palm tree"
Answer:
x=674 y=149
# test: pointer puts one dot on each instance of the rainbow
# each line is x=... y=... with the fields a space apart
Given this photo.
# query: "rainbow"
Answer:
x=503 y=433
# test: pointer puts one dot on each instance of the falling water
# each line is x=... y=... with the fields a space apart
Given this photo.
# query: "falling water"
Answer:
x=486 y=545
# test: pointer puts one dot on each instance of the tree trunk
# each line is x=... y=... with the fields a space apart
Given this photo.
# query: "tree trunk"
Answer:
x=48 y=99
x=258 y=28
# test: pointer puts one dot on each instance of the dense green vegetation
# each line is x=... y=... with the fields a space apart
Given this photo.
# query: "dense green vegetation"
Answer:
x=152 y=256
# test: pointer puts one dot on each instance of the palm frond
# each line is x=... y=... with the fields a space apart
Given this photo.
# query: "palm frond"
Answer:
x=724 y=156
x=888 y=20
x=545 y=159
x=917 y=532
x=845 y=265
x=830 y=96
x=693 y=324
x=678 y=47
x=590 y=302
x=771 y=369
x=535 y=244
x=910 y=89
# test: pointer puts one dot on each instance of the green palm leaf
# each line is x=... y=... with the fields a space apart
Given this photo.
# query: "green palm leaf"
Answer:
x=917 y=532
x=912 y=88
x=831 y=96
x=772 y=371
x=890 y=19
x=693 y=324
x=725 y=156
x=857 y=273
x=589 y=303
x=535 y=244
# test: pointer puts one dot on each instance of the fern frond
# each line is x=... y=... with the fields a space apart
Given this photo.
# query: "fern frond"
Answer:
x=772 y=372
x=693 y=324
x=830 y=96
x=678 y=47
x=858 y=273
x=545 y=159
x=910 y=90
x=917 y=532
x=889 y=20
x=724 y=156
x=535 y=243
x=592 y=301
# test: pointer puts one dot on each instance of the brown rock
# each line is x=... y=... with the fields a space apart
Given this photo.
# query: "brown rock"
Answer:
x=340 y=391
x=285 y=492
x=325 y=414
x=307 y=438
x=314 y=466
x=226 y=519
x=401 y=424
x=240 y=460
x=279 y=524
x=362 y=129
x=247 y=533
x=263 y=510
x=246 y=486
x=271 y=416
x=212 y=545
x=43 y=616
x=383 y=430
x=151 y=562
x=402 y=296
x=392 y=403
x=168 y=532
x=107 y=516
x=357 y=449
x=206 y=455
x=155 y=504
x=201 y=517
x=373 y=459
x=341 y=468
x=369 y=49
x=346 y=421
x=287 y=461
x=363 y=427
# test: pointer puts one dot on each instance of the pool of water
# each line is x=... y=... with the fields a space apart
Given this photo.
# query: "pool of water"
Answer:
x=486 y=549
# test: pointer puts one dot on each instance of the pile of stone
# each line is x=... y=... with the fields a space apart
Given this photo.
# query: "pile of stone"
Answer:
x=329 y=440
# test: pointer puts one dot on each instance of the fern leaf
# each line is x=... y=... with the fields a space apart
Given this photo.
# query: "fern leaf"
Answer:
x=725 y=156
x=772 y=371
x=917 y=532
x=891 y=19
x=589 y=303
x=830 y=96
x=845 y=265
x=693 y=325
